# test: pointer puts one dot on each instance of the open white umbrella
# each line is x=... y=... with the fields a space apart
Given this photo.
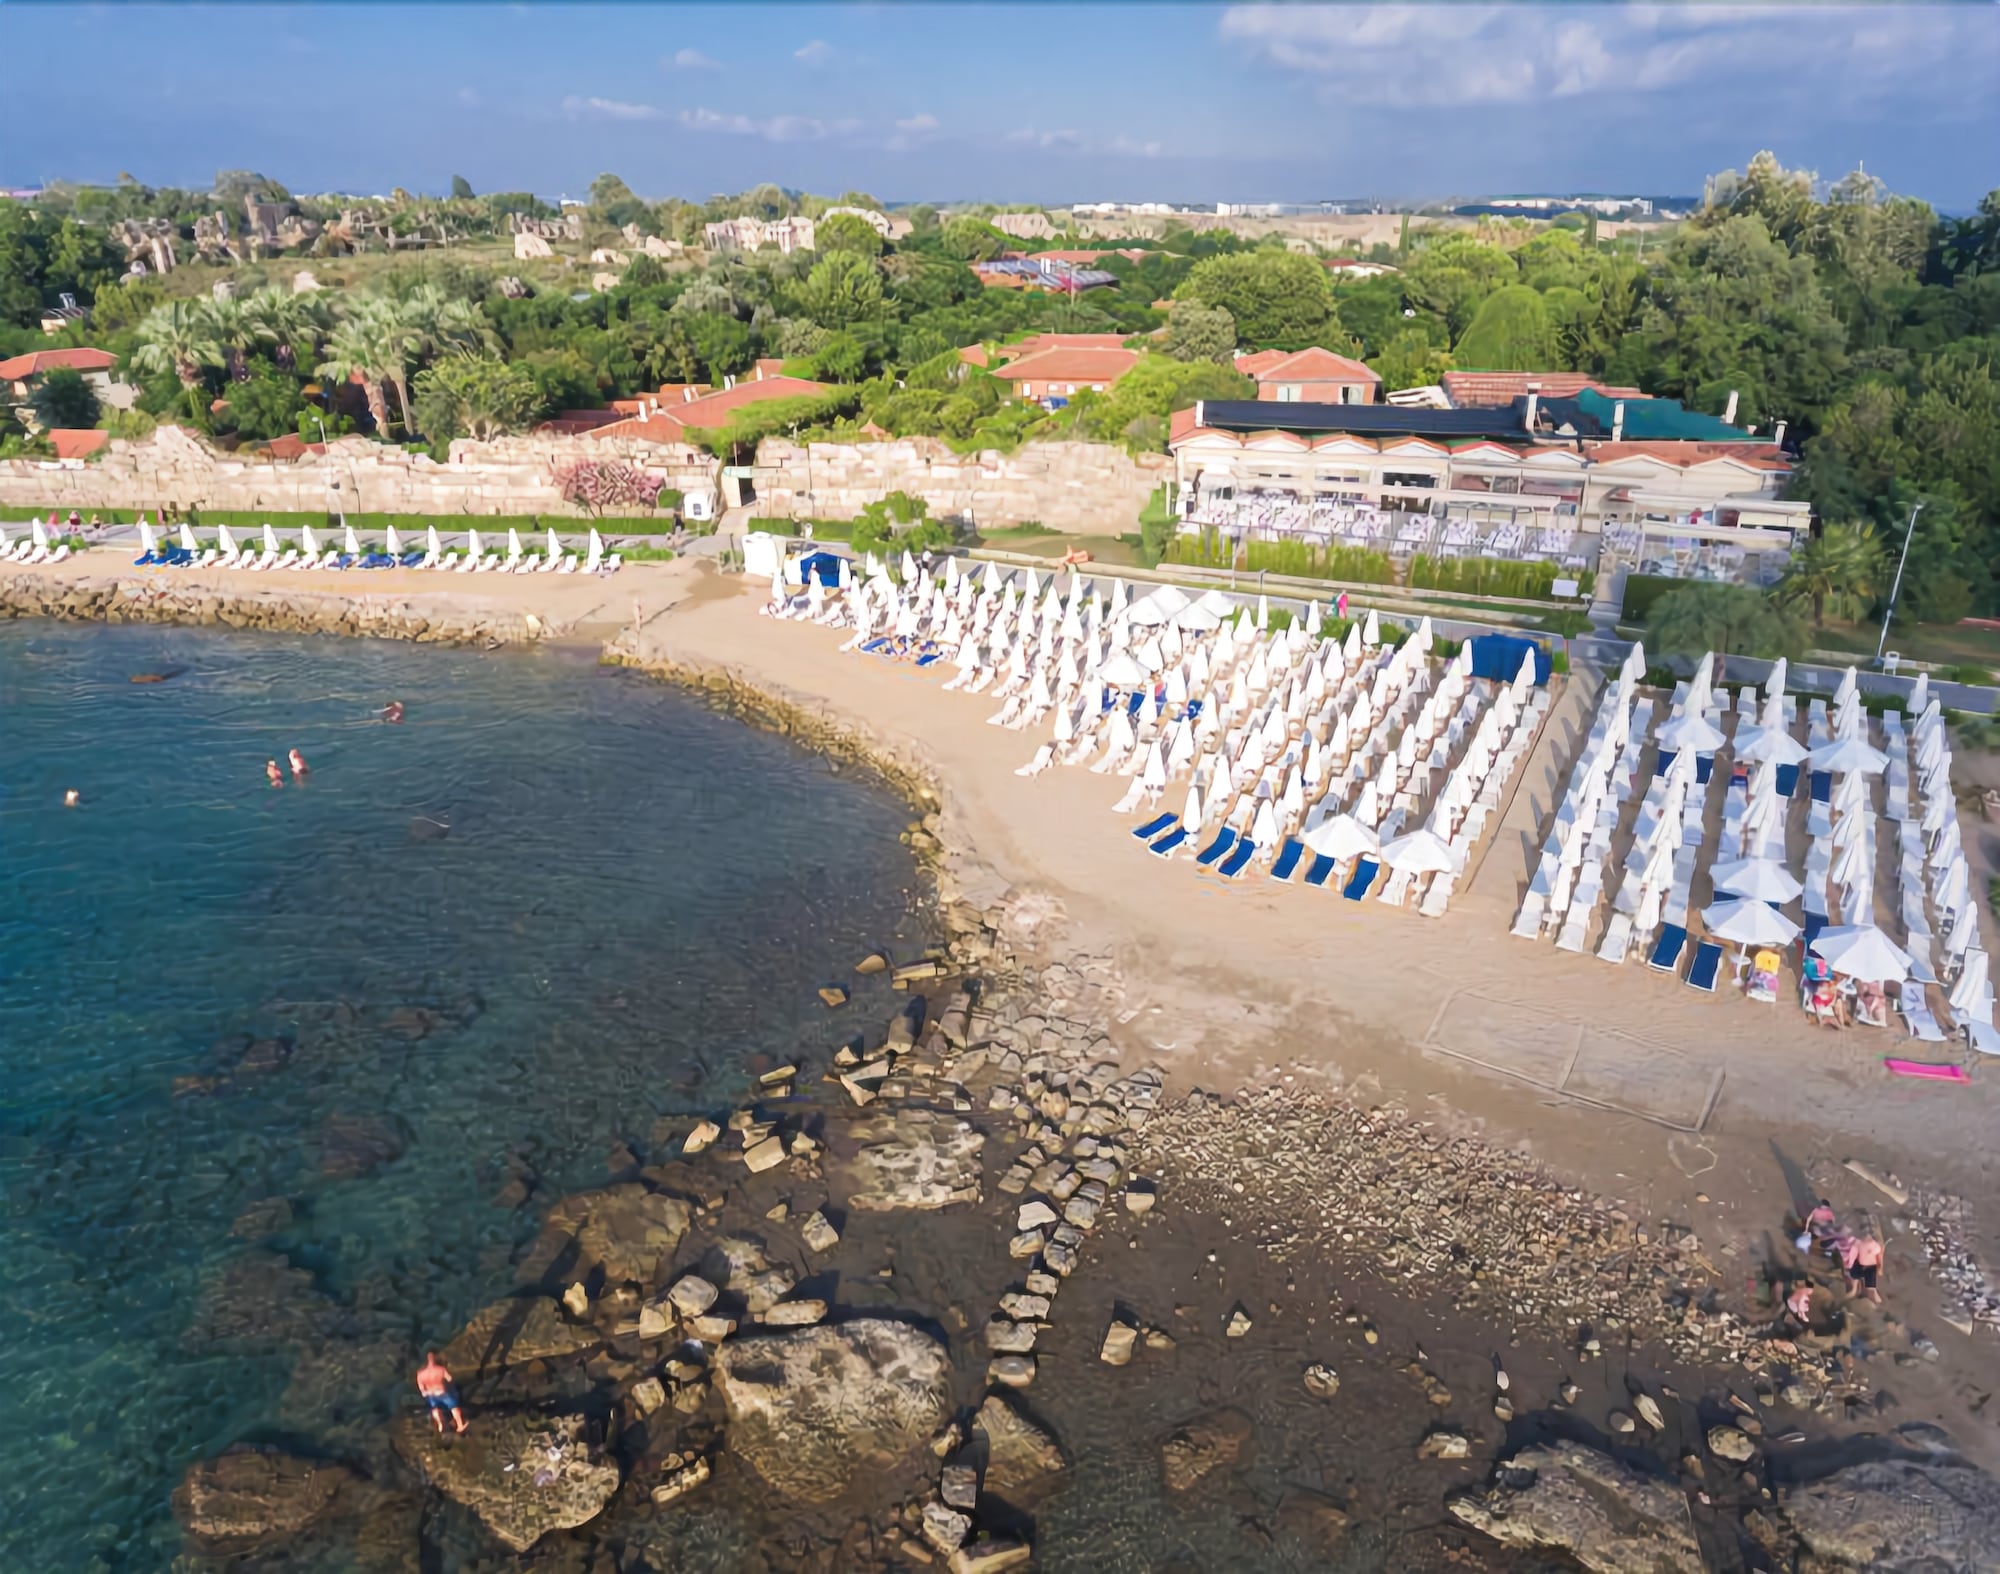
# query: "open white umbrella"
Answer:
x=1124 y=670
x=1196 y=619
x=1691 y=730
x=1862 y=951
x=1771 y=745
x=1761 y=878
x=1847 y=754
x=1420 y=851
x=1341 y=836
x=1748 y=922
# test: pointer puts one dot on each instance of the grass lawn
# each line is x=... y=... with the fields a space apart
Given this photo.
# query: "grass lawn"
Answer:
x=1113 y=551
x=660 y=524
x=1947 y=644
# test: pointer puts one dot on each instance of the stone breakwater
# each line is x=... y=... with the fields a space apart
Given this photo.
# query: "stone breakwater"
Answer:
x=126 y=600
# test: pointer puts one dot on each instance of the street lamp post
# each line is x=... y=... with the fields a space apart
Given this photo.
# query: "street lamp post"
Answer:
x=1895 y=589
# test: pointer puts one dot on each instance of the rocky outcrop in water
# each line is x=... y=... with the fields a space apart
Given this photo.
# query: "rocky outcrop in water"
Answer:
x=524 y=1475
x=1022 y=1460
x=627 y=1230
x=1608 y=1517
x=1195 y=1450
x=817 y=1411
x=914 y=1158
x=128 y=600
x=1901 y=1516
x=514 y=1332
x=251 y=1497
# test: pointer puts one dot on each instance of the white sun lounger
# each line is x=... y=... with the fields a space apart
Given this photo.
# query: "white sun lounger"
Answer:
x=1917 y=1016
x=1617 y=940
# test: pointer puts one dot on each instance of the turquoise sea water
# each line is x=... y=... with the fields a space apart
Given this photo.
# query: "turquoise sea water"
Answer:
x=310 y=1014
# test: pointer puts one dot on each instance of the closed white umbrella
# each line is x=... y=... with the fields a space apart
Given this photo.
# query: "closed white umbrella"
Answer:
x=1862 y=951
x=350 y=545
x=394 y=542
x=593 y=550
x=225 y=541
x=1748 y=922
x=1849 y=684
x=1264 y=826
x=1371 y=629
x=309 y=544
x=188 y=542
x=270 y=541
x=1420 y=851
x=1761 y=878
x=1972 y=991
x=1774 y=685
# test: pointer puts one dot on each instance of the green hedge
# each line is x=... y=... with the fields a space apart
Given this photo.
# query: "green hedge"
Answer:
x=1642 y=590
x=1495 y=576
x=1296 y=559
x=251 y=519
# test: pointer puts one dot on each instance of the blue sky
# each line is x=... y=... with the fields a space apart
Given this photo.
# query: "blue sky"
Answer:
x=1048 y=103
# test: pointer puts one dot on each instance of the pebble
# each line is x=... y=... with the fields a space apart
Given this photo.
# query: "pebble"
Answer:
x=1238 y=1324
x=1322 y=1382
x=1016 y=1371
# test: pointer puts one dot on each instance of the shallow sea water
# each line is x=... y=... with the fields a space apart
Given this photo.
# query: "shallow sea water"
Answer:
x=634 y=896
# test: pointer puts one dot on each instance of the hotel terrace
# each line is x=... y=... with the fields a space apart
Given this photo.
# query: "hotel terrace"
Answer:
x=1587 y=481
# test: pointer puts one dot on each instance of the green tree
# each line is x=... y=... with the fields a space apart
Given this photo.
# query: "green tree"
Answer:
x=266 y=405
x=64 y=400
x=1732 y=620
x=368 y=344
x=476 y=396
x=1276 y=298
x=973 y=240
x=461 y=189
x=1411 y=360
x=1511 y=332
x=644 y=273
x=231 y=326
x=286 y=322
x=1201 y=333
x=1451 y=277
x=1837 y=573
x=847 y=232
x=612 y=203
x=176 y=338
x=1135 y=410
x=842 y=289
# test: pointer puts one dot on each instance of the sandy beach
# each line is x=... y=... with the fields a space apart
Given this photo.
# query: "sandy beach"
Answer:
x=1703 y=1116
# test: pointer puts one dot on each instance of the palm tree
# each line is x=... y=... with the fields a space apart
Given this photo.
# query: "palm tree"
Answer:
x=231 y=326
x=176 y=337
x=430 y=323
x=1837 y=573
x=367 y=344
x=286 y=322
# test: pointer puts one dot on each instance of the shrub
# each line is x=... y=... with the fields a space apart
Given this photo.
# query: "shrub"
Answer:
x=1969 y=673
x=1642 y=590
x=1295 y=559
x=1493 y=576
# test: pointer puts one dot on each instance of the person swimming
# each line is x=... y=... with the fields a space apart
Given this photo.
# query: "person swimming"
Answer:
x=71 y=799
x=275 y=776
x=393 y=711
x=299 y=766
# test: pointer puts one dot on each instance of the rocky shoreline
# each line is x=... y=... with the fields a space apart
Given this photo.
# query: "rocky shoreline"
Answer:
x=128 y=600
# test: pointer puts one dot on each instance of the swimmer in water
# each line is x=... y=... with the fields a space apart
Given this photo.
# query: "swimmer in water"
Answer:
x=299 y=766
x=393 y=711
x=276 y=776
x=70 y=799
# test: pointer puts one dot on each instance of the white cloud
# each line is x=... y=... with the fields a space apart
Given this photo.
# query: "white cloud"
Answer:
x=690 y=60
x=918 y=122
x=1487 y=54
x=468 y=96
x=1067 y=141
x=775 y=128
x=607 y=109
x=816 y=53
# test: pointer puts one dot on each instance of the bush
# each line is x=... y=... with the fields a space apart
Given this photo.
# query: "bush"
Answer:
x=1968 y=673
x=1642 y=590
x=1494 y=576
x=1158 y=525
x=1295 y=559
x=1569 y=624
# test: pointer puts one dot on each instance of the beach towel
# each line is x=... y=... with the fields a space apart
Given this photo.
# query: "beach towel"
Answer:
x=1928 y=1070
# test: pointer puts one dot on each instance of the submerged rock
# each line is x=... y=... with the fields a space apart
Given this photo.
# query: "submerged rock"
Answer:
x=351 y=1146
x=626 y=1229
x=514 y=1332
x=248 y=1496
x=817 y=1411
x=524 y=1475
x=1021 y=1457
x=1196 y=1449
x=916 y=1158
x=1611 y=1519
x=1897 y=1515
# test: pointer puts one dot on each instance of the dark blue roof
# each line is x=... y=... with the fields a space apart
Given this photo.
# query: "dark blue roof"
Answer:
x=1363 y=420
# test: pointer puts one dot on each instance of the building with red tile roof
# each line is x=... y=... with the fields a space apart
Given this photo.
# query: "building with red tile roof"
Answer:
x=21 y=369
x=1063 y=372
x=664 y=422
x=1484 y=390
x=1310 y=376
x=77 y=442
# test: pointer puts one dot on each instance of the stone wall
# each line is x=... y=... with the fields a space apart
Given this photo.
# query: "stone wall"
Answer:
x=1077 y=488
x=512 y=475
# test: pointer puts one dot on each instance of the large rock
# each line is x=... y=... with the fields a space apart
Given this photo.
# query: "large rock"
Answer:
x=1022 y=1459
x=1611 y=1519
x=514 y=1332
x=251 y=1496
x=815 y=1411
x=1196 y=1449
x=1901 y=1516
x=524 y=1475
x=627 y=1230
x=915 y=1158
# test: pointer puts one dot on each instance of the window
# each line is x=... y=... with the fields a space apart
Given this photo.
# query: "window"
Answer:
x=1097 y=388
x=1288 y=393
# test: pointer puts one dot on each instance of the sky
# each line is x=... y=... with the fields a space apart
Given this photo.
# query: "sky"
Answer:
x=1025 y=102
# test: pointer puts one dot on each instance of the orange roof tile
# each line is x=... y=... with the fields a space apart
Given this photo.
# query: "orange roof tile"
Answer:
x=75 y=442
x=1065 y=365
x=670 y=425
x=1312 y=364
x=1035 y=343
x=1471 y=389
x=21 y=367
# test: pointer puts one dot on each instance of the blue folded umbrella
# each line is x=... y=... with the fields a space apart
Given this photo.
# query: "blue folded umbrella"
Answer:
x=1224 y=840
x=1365 y=870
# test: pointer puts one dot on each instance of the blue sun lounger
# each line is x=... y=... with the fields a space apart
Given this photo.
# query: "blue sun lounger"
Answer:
x=1321 y=870
x=1666 y=957
x=1815 y=922
x=1132 y=706
x=1822 y=786
x=1288 y=859
x=1236 y=862
x=1212 y=853
x=1788 y=780
x=1704 y=768
x=927 y=660
x=1365 y=870
x=1666 y=758
x=1707 y=963
x=1167 y=844
x=876 y=646
x=1153 y=827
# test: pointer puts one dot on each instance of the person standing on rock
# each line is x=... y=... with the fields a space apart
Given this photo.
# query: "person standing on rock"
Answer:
x=440 y=1392
x=1861 y=1256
